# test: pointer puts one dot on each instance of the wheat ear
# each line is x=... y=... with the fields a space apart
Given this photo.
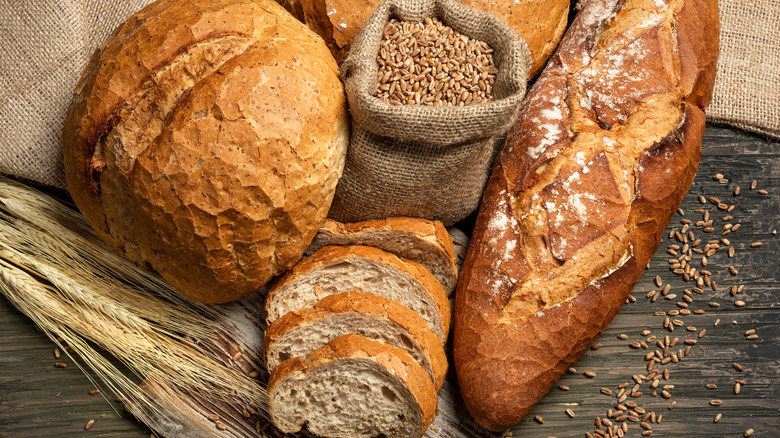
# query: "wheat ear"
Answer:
x=55 y=270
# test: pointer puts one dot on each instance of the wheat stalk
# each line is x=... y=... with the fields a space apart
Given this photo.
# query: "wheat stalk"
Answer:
x=35 y=300
x=57 y=272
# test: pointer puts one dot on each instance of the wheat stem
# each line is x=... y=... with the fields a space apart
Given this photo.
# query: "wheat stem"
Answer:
x=56 y=271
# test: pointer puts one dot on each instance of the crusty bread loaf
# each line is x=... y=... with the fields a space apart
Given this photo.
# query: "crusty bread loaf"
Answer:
x=420 y=240
x=540 y=23
x=607 y=145
x=353 y=387
x=335 y=269
x=205 y=142
x=297 y=333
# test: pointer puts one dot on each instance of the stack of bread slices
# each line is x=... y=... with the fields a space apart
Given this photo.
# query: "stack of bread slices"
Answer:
x=355 y=342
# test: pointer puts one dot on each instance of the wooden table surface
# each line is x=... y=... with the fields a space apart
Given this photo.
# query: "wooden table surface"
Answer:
x=37 y=399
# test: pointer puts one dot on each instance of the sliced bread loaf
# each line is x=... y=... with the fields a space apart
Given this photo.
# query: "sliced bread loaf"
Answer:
x=335 y=269
x=353 y=387
x=423 y=241
x=297 y=333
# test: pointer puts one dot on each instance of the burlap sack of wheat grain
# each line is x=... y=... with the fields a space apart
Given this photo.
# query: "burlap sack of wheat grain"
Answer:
x=44 y=46
x=418 y=160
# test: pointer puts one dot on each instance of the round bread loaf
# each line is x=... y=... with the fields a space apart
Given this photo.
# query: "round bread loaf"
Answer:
x=539 y=22
x=205 y=142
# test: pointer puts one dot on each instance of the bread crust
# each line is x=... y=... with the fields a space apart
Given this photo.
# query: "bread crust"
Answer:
x=588 y=180
x=205 y=142
x=352 y=346
x=540 y=23
x=329 y=255
x=423 y=236
x=370 y=305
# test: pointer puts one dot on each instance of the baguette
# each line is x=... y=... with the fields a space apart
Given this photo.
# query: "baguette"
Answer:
x=420 y=240
x=297 y=333
x=335 y=269
x=607 y=145
x=353 y=387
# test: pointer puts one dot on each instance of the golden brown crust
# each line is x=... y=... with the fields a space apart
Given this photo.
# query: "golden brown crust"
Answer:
x=366 y=304
x=541 y=23
x=579 y=197
x=352 y=346
x=428 y=241
x=330 y=255
x=205 y=142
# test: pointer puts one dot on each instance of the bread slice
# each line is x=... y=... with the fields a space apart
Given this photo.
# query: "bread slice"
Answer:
x=335 y=269
x=423 y=241
x=375 y=317
x=352 y=387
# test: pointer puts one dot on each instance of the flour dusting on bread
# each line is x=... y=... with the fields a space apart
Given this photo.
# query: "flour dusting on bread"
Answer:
x=591 y=191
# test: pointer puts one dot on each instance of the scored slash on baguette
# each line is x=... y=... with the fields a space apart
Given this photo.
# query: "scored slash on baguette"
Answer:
x=606 y=146
x=335 y=269
x=423 y=241
x=353 y=387
x=297 y=333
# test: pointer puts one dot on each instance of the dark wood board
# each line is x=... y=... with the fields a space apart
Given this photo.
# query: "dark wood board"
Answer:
x=37 y=399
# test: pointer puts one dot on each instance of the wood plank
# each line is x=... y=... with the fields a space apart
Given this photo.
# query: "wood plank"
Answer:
x=741 y=158
x=710 y=362
x=37 y=399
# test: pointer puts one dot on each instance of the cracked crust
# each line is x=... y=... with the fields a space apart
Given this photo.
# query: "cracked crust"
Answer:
x=205 y=142
x=329 y=310
x=606 y=147
x=540 y=23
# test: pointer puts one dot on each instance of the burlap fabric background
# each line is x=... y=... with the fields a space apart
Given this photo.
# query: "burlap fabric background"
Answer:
x=417 y=160
x=747 y=85
x=44 y=45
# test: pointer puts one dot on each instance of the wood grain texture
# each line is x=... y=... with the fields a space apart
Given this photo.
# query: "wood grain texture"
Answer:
x=37 y=399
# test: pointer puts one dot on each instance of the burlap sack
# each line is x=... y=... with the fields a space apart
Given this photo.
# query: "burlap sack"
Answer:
x=416 y=160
